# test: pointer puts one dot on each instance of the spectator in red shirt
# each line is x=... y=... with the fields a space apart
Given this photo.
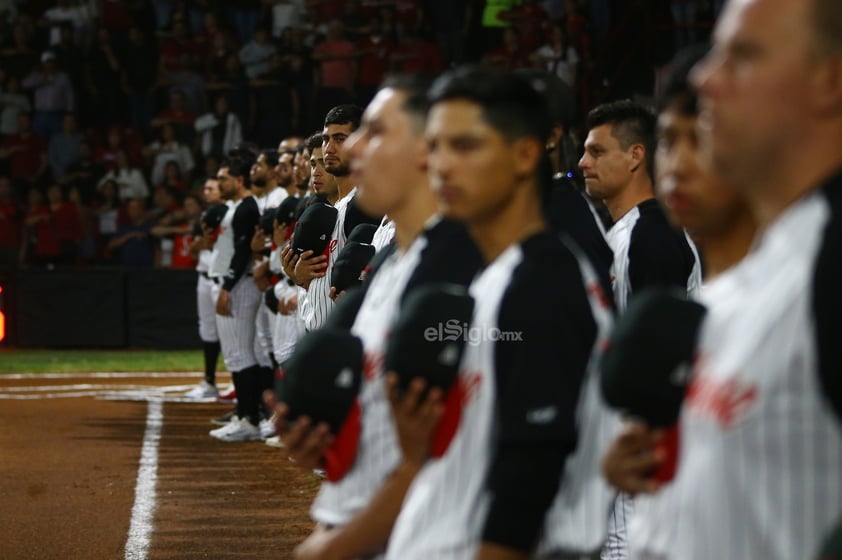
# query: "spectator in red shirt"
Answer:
x=414 y=54
x=55 y=227
x=27 y=155
x=177 y=237
x=337 y=56
x=179 y=116
x=10 y=226
x=374 y=52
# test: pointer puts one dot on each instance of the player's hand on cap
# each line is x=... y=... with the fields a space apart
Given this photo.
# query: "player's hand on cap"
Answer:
x=289 y=259
x=632 y=459
x=416 y=413
x=309 y=267
x=333 y=295
x=223 y=304
x=304 y=444
x=279 y=234
x=258 y=240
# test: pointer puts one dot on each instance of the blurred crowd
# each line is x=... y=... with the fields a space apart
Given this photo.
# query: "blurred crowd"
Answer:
x=104 y=101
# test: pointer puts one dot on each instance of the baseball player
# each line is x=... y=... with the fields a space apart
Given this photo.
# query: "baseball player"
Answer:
x=757 y=425
x=206 y=304
x=617 y=165
x=388 y=163
x=238 y=300
x=316 y=303
x=503 y=475
x=717 y=218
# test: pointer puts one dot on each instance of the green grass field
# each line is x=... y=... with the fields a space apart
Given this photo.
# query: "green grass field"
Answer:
x=76 y=361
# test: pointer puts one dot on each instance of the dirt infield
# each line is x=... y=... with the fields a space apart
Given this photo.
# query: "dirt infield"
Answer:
x=69 y=469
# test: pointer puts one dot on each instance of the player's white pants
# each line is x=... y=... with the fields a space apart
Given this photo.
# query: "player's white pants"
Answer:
x=617 y=545
x=288 y=329
x=236 y=333
x=263 y=334
x=206 y=304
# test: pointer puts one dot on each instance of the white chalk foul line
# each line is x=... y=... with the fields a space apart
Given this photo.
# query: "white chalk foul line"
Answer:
x=143 y=511
x=102 y=375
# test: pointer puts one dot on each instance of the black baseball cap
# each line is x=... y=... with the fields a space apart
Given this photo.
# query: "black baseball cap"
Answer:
x=646 y=368
x=362 y=233
x=212 y=216
x=315 y=228
x=832 y=547
x=427 y=340
x=322 y=378
x=285 y=213
x=267 y=221
x=349 y=265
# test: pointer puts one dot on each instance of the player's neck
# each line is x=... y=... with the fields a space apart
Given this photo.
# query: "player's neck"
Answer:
x=520 y=219
x=411 y=217
x=793 y=176
x=639 y=190
x=240 y=194
x=344 y=186
x=722 y=250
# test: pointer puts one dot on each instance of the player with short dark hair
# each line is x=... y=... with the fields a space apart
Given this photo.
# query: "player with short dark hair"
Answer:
x=388 y=156
x=236 y=305
x=503 y=484
x=617 y=166
x=718 y=219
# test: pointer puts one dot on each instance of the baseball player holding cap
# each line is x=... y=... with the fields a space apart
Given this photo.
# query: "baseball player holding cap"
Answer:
x=757 y=426
x=206 y=303
x=356 y=510
x=760 y=465
x=313 y=271
x=500 y=488
x=617 y=166
x=236 y=305
x=717 y=218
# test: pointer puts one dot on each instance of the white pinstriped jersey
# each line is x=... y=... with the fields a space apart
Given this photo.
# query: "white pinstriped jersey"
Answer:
x=652 y=526
x=315 y=306
x=275 y=197
x=223 y=249
x=577 y=522
x=378 y=453
x=442 y=514
x=619 y=239
x=518 y=391
x=661 y=260
x=384 y=234
x=761 y=452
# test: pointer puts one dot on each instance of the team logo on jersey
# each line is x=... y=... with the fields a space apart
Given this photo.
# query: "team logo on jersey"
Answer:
x=331 y=247
x=372 y=365
x=458 y=398
x=727 y=402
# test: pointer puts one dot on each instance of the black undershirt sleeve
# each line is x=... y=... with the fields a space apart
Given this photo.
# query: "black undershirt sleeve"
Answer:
x=539 y=379
x=354 y=217
x=246 y=217
x=658 y=255
x=827 y=303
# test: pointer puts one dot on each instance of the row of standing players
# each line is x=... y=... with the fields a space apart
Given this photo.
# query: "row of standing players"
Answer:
x=534 y=460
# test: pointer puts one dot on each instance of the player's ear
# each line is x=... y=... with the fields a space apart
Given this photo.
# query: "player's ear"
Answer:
x=527 y=155
x=637 y=157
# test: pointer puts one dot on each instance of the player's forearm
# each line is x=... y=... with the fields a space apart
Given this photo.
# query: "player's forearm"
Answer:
x=368 y=531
